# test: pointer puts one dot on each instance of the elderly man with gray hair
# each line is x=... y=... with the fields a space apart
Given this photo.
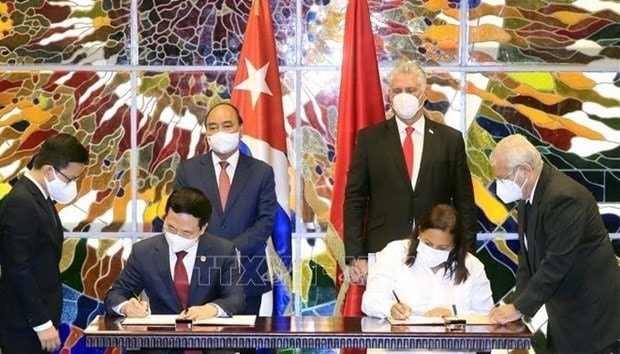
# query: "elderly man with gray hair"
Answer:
x=566 y=260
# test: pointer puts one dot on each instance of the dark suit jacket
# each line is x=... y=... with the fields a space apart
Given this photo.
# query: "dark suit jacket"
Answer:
x=250 y=211
x=569 y=266
x=379 y=186
x=31 y=238
x=215 y=277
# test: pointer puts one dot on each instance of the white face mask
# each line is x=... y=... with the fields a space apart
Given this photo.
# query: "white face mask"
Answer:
x=508 y=190
x=223 y=143
x=430 y=256
x=178 y=243
x=60 y=191
x=405 y=105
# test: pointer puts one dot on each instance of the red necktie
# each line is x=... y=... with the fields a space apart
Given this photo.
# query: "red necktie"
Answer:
x=408 y=150
x=181 y=284
x=224 y=182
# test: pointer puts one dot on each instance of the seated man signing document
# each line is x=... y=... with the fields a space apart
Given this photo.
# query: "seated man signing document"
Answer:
x=181 y=271
x=430 y=274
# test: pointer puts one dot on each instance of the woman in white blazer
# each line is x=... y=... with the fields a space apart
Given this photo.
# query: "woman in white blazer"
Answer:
x=429 y=274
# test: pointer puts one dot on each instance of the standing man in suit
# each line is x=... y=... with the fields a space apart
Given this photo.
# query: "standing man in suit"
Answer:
x=31 y=238
x=181 y=271
x=401 y=168
x=242 y=189
x=566 y=261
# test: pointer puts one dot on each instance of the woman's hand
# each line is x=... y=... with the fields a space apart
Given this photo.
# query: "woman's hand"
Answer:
x=400 y=311
x=439 y=312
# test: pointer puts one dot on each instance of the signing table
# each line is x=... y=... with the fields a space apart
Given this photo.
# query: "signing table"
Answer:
x=309 y=332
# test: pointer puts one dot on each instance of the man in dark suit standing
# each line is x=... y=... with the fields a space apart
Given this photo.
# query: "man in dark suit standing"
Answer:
x=31 y=237
x=181 y=271
x=401 y=168
x=242 y=190
x=566 y=260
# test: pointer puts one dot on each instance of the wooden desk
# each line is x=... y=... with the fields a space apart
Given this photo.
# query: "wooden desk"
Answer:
x=308 y=332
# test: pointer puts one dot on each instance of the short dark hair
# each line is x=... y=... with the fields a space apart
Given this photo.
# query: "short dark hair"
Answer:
x=239 y=119
x=443 y=217
x=59 y=151
x=192 y=201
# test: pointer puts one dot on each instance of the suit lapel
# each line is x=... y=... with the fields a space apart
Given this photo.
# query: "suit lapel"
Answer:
x=522 y=228
x=162 y=259
x=395 y=150
x=241 y=177
x=201 y=256
x=209 y=181
x=428 y=147
x=50 y=211
x=531 y=236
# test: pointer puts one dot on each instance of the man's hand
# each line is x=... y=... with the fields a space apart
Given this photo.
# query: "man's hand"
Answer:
x=438 y=312
x=200 y=312
x=49 y=339
x=135 y=308
x=504 y=314
x=358 y=271
x=400 y=311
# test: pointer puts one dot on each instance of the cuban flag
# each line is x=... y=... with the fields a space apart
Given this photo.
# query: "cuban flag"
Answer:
x=258 y=96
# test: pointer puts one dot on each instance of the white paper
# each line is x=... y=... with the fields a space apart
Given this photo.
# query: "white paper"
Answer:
x=164 y=320
x=423 y=320
x=151 y=320
x=241 y=320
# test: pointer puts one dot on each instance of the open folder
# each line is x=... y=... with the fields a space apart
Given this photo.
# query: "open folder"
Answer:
x=169 y=320
x=423 y=320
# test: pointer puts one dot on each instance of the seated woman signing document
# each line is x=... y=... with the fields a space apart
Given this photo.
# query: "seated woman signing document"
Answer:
x=429 y=274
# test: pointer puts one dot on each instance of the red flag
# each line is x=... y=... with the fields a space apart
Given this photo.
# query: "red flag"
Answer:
x=258 y=96
x=360 y=105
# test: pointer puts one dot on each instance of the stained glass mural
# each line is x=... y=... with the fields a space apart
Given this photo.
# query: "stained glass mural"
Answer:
x=424 y=31
x=181 y=32
x=187 y=52
x=58 y=32
x=561 y=32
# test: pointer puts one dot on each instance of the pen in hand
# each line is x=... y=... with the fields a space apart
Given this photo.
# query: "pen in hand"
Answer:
x=396 y=296
x=454 y=309
x=139 y=299
x=399 y=311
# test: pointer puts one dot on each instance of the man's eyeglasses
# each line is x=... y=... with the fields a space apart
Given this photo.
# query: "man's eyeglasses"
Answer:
x=515 y=169
x=69 y=180
x=173 y=230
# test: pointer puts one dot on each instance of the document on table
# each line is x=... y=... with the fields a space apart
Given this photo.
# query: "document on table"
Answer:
x=169 y=320
x=423 y=320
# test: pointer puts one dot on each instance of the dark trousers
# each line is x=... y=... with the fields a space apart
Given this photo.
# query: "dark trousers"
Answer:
x=20 y=342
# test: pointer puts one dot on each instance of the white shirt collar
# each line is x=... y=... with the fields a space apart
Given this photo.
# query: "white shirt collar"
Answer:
x=232 y=160
x=418 y=126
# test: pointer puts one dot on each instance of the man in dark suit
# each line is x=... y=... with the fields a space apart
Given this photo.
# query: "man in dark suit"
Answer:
x=31 y=238
x=243 y=193
x=180 y=271
x=401 y=168
x=566 y=261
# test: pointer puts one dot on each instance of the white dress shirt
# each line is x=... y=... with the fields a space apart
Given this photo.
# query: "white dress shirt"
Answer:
x=420 y=288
